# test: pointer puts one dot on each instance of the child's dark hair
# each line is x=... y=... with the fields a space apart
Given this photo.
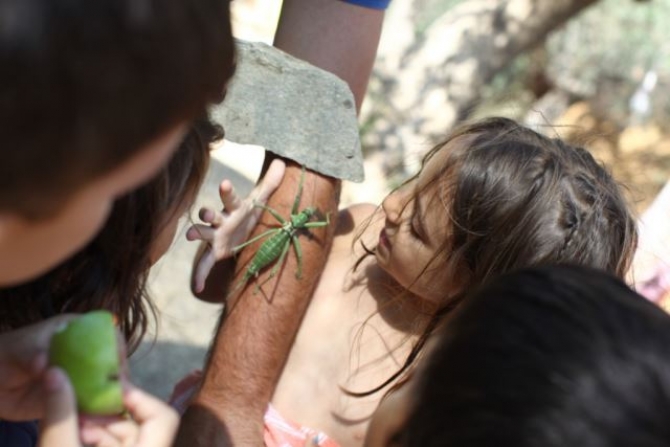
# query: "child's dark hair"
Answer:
x=87 y=84
x=548 y=357
x=111 y=271
x=513 y=198
x=516 y=198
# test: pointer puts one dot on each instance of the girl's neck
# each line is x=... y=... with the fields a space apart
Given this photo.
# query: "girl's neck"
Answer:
x=401 y=309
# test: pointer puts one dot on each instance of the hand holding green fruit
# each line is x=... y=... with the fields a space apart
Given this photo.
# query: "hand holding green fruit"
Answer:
x=88 y=350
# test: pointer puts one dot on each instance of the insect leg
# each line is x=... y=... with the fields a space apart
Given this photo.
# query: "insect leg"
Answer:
x=298 y=255
x=254 y=239
x=316 y=224
x=274 y=213
x=298 y=196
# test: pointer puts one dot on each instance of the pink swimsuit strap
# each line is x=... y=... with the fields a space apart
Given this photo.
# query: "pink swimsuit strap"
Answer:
x=282 y=433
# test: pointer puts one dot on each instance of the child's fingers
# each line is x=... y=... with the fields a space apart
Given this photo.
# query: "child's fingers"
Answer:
x=98 y=437
x=184 y=391
x=202 y=269
x=209 y=216
x=158 y=422
x=59 y=426
x=271 y=181
x=94 y=435
x=119 y=433
x=126 y=433
x=200 y=232
x=231 y=201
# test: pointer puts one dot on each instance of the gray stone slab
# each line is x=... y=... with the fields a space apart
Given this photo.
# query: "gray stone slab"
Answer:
x=294 y=110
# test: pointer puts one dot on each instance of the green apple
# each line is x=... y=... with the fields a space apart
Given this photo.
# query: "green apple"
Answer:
x=87 y=350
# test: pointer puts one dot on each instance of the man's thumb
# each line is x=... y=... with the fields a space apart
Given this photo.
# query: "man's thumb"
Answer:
x=59 y=427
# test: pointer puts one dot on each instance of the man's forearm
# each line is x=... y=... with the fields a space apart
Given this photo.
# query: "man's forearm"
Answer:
x=251 y=348
x=339 y=37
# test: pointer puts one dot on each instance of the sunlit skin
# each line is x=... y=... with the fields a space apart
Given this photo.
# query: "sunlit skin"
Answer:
x=29 y=248
x=395 y=408
x=414 y=229
x=360 y=325
x=390 y=417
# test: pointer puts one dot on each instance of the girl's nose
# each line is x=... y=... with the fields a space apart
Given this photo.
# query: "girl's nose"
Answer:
x=392 y=206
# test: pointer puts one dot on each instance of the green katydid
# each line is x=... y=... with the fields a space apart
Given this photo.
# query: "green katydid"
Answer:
x=279 y=239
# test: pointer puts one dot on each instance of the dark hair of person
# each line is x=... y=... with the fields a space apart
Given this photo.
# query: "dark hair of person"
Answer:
x=513 y=198
x=85 y=85
x=548 y=357
x=111 y=271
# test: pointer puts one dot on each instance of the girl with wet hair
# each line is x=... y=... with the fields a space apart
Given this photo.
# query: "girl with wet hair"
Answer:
x=493 y=197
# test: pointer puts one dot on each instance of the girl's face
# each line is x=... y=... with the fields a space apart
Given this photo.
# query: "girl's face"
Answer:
x=169 y=228
x=415 y=229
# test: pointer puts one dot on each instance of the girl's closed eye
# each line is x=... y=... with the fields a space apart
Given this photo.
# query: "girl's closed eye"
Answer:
x=416 y=225
x=413 y=228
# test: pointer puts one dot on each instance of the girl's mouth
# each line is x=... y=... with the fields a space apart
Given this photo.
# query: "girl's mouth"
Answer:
x=384 y=240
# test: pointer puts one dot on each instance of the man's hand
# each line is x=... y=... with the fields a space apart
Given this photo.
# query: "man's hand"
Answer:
x=226 y=229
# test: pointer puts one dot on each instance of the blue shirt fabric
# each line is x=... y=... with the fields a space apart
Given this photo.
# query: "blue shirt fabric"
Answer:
x=18 y=434
x=374 y=4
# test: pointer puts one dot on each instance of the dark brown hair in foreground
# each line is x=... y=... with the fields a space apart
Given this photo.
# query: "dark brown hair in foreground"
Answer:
x=111 y=271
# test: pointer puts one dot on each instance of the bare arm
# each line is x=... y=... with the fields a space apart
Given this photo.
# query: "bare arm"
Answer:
x=333 y=35
x=250 y=349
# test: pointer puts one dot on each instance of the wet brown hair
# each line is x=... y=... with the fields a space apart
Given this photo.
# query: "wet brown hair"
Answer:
x=111 y=271
x=513 y=198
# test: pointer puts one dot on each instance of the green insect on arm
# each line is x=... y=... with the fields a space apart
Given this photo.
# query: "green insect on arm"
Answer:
x=223 y=234
x=255 y=338
x=277 y=241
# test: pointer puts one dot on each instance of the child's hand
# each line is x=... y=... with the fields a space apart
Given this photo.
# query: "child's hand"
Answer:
x=23 y=363
x=230 y=227
x=184 y=390
x=59 y=425
x=152 y=423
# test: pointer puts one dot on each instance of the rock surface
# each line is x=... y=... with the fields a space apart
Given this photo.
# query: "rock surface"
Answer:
x=293 y=109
